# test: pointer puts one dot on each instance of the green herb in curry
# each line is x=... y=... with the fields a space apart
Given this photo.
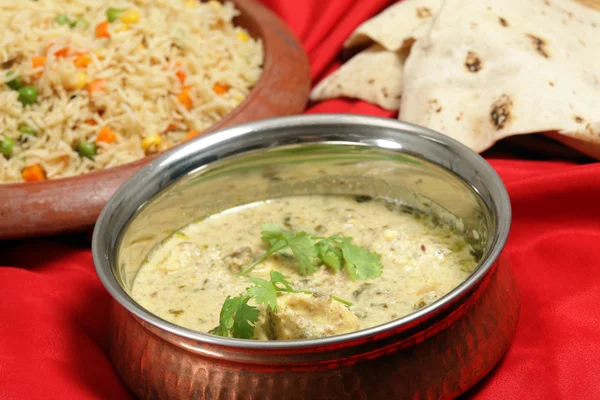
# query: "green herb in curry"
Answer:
x=237 y=317
x=334 y=251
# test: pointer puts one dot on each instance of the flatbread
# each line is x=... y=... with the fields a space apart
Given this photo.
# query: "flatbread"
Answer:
x=373 y=75
x=397 y=26
x=488 y=69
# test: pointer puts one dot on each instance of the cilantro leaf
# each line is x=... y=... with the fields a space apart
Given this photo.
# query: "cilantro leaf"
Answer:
x=277 y=238
x=330 y=254
x=230 y=320
x=244 y=319
x=277 y=277
x=359 y=262
x=271 y=233
x=301 y=245
x=334 y=251
x=304 y=250
x=264 y=292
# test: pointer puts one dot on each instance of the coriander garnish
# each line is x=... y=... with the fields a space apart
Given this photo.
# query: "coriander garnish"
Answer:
x=237 y=317
x=336 y=252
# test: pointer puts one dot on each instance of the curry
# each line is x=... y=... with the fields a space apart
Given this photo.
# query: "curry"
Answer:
x=201 y=277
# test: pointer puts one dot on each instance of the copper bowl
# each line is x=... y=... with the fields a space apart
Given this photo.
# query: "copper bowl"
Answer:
x=73 y=204
x=435 y=353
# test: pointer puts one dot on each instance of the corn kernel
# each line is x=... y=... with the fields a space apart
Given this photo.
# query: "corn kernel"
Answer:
x=214 y=4
x=100 y=54
x=243 y=36
x=190 y=3
x=81 y=81
x=151 y=141
x=130 y=16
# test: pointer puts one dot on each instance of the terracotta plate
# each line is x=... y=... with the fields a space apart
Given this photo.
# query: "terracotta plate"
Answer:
x=73 y=204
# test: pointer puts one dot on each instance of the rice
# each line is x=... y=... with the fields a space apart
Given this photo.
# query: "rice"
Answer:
x=147 y=67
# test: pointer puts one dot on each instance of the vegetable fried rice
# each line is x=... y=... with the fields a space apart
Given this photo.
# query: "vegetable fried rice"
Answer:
x=88 y=84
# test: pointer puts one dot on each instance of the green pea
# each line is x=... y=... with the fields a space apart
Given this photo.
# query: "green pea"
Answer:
x=6 y=146
x=79 y=21
x=27 y=130
x=28 y=95
x=62 y=19
x=16 y=83
x=112 y=14
x=87 y=149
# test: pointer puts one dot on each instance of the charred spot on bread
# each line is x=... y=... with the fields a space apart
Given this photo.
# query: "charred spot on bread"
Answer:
x=473 y=62
x=435 y=105
x=501 y=111
x=539 y=45
x=423 y=12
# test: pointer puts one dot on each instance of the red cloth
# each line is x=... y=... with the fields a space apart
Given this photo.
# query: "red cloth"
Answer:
x=53 y=308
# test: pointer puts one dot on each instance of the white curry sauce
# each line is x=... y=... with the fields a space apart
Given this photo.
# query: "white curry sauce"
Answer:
x=187 y=278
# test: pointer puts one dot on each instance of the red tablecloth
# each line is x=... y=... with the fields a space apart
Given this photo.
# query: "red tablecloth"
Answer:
x=53 y=309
